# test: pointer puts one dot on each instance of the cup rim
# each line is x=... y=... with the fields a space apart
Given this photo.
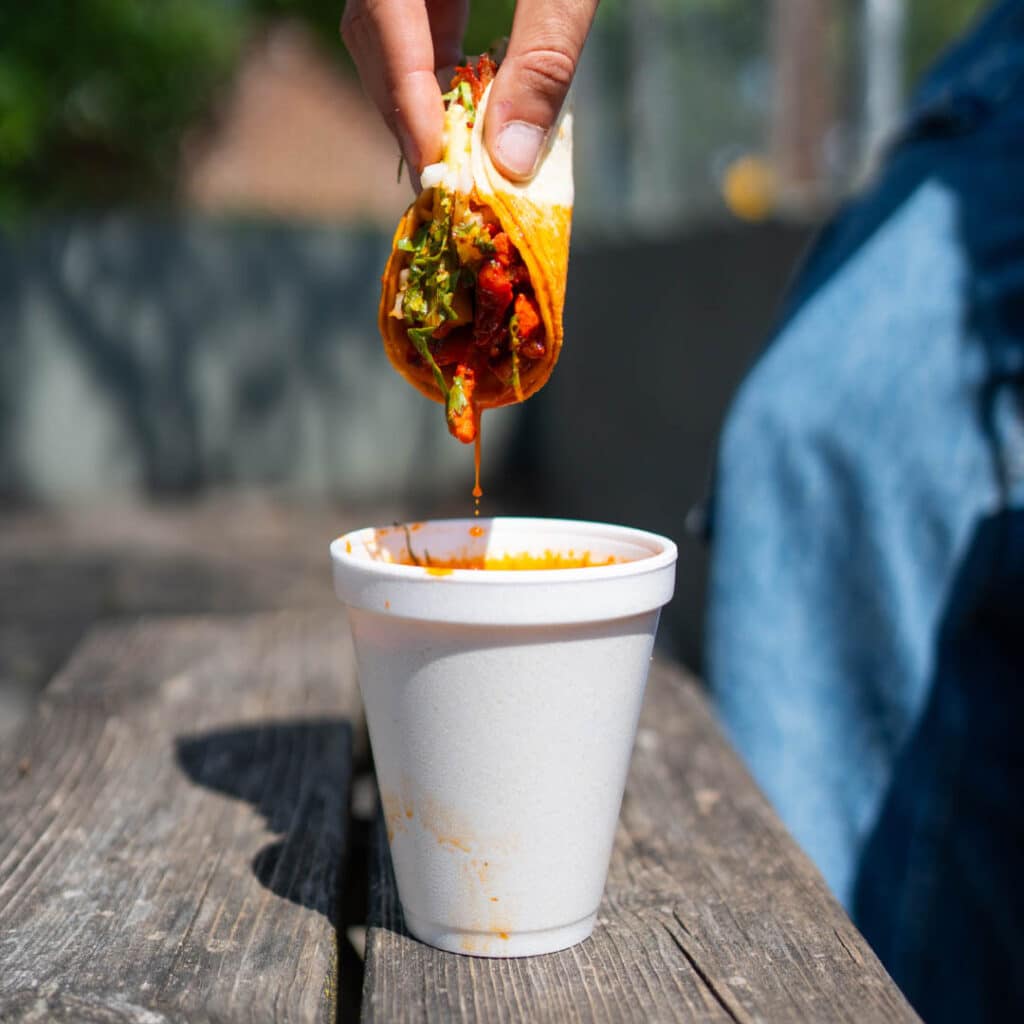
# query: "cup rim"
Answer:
x=664 y=553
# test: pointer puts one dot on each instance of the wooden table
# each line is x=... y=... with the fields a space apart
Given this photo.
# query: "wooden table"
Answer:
x=188 y=829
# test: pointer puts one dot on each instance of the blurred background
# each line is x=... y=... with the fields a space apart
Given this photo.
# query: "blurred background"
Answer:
x=196 y=203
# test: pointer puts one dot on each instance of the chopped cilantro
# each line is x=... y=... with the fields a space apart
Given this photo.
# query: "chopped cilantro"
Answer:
x=418 y=336
x=414 y=244
x=430 y=289
x=476 y=235
x=456 y=400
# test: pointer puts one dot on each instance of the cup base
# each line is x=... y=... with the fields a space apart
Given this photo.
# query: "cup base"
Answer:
x=498 y=943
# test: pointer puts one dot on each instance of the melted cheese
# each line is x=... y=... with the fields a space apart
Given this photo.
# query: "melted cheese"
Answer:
x=455 y=170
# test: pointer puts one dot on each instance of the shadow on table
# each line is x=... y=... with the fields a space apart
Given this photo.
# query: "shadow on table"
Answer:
x=385 y=910
x=297 y=775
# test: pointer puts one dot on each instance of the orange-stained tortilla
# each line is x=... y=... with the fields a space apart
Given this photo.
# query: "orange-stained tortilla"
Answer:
x=546 y=255
x=537 y=219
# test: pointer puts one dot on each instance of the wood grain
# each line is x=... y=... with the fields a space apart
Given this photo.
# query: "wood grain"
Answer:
x=61 y=571
x=173 y=822
x=227 y=555
x=711 y=912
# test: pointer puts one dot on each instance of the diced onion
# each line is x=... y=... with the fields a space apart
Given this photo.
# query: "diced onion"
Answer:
x=403 y=283
x=433 y=175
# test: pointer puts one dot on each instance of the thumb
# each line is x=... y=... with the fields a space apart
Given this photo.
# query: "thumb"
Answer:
x=532 y=83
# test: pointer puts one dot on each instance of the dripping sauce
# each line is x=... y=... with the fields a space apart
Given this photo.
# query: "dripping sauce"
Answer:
x=477 y=490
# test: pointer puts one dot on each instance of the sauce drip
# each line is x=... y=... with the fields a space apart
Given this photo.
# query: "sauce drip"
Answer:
x=477 y=491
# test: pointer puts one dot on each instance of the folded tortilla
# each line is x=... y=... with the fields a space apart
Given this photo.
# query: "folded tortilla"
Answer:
x=536 y=217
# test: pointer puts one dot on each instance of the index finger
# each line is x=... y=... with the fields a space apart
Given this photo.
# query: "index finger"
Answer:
x=390 y=42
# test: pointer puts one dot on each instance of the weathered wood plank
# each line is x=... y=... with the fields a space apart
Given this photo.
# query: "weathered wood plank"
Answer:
x=711 y=912
x=216 y=525
x=61 y=571
x=30 y=653
x=173 y=822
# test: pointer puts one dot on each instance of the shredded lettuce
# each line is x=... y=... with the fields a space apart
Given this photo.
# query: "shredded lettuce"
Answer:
x=462 y=93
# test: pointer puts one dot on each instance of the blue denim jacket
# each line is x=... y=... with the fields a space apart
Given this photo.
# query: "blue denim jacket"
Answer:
x=866 y=611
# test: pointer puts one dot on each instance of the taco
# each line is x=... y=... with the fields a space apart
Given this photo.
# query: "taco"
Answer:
x=472 y=296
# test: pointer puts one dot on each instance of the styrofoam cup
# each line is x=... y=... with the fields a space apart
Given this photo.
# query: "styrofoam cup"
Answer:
x=502 y=708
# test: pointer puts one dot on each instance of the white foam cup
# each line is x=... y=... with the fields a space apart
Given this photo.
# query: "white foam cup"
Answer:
x=502 y=708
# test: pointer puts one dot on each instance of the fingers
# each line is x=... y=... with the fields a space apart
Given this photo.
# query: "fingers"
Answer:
x=396 y=52
x=528 y=93
x=447 y=27
x=397 y=46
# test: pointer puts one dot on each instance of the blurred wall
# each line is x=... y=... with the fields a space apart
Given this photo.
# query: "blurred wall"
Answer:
x=162 y=357
x=165 y=357
x=658 y=335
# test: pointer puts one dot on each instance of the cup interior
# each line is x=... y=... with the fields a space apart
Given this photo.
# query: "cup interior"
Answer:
x=503 y=544
x=540 y=571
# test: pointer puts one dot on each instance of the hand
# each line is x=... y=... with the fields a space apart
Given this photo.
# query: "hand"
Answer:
x=398 y=45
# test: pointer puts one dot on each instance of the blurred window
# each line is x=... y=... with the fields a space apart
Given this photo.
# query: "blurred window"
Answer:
x=694 y=109
x=686 y=109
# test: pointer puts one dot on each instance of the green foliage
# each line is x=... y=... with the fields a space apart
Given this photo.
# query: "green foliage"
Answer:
x=94 y=94
x=488 y=22
x=931 y=26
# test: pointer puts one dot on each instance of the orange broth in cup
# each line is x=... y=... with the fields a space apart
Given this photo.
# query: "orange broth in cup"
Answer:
x=410 y=555
x=523 y=560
